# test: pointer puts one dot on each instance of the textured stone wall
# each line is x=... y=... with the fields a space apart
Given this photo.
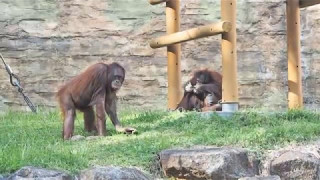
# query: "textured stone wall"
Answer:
x=47 y=42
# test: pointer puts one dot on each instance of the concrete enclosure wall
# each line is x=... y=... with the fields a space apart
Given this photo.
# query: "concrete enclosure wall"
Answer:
x=47 y=42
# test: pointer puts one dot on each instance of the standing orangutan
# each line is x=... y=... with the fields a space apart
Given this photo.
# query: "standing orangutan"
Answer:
x=95 y=87
x=202 y=92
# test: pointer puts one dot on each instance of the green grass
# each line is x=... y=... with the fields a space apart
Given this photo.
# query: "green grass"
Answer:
x=35 y=139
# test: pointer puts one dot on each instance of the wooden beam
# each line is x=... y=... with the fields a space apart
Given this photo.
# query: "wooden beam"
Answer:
x=173 y=53
x=191 y=34
x=154 y=2
x=306 y=3
x=229 y=53
x=295 y=99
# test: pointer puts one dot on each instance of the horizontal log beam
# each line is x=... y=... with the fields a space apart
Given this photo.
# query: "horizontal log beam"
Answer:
x=154 y=2
x=194 y=33
x=306 y=3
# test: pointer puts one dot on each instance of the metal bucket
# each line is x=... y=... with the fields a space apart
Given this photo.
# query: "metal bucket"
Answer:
x=230 y=106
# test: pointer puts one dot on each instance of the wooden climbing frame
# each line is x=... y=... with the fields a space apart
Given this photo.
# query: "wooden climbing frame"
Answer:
x=226 y=27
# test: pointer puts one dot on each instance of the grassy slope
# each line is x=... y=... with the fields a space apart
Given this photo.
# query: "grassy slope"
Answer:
x=29 y=139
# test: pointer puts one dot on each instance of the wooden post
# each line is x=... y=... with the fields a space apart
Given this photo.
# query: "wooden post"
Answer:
x=173 y=53
x=306 y=3
x=294 y=61
x=229 y=54
x=191 y=34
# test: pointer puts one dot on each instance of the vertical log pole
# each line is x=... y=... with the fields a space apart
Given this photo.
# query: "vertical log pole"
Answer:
x=173 y=53
x=229 y=54
x=294 y=61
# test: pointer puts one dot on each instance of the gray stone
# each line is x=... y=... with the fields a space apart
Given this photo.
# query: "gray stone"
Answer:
x=296 y=165
x=2 y=177
x=112 y=173
x=77 y=138
x=261 y=178
x=34 y=173
x=208 y=163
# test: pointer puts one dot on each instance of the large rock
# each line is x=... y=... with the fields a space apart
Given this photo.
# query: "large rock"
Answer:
x=112 y=173
x=296 y=165
x=208 y=163
x=34 y=173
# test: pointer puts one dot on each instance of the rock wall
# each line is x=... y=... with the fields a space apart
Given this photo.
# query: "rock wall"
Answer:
x=48 y=42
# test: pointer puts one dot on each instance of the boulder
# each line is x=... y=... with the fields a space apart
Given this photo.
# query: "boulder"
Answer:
x=208 y=163
x=112 y=173
x=34 y=173
x=296 y=165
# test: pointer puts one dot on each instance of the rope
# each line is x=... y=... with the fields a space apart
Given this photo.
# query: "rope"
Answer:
x=15 y=81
